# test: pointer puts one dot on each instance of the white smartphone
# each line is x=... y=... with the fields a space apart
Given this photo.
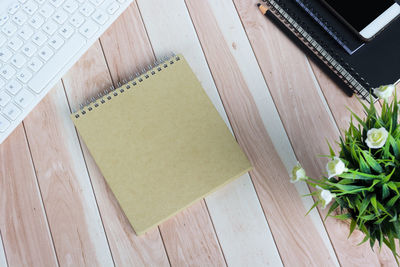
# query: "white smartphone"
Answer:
x=365 y=17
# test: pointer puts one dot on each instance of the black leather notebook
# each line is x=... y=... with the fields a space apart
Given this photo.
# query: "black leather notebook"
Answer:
x=334 y=27
x=374 y=64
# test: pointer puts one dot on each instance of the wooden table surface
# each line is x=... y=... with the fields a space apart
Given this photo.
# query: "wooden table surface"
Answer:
x=56 y=209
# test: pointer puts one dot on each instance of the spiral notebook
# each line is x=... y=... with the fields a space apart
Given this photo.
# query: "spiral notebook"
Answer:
x=334 y=27
x=374 y=64
x=160 y=143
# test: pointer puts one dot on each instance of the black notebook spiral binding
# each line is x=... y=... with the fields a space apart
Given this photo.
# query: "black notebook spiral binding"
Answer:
x=318 y=47
x=109 y=94
x=335 y=28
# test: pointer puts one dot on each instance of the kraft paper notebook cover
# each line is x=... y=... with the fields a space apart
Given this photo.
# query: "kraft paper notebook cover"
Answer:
x=160 y=143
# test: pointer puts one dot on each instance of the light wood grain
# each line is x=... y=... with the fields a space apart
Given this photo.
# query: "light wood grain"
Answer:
x=26 y=236
x=179 y=231
x=64 y=182
x=240 y=48
x=235 y=210
x=134 y=27
x=292 y=86
x=127 y=249
x=3 y=260
x=270 y=176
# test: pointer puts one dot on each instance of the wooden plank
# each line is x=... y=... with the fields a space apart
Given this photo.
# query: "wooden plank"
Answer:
x=3 y=260
x=173 y=12
x=138 y=54
x=291 y=84
x=68 y=197
x=235 y=211
x=239 y=47
x=87 y=78
x=25 y=232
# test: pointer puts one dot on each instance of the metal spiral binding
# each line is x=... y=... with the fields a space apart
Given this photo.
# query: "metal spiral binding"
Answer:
x=108 y=94
x=335 y=63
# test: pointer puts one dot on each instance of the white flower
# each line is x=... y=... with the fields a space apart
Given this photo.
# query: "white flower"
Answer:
x=298 y=174
x=384 y=91
x=335 y=167
x=376 y=138
x=324 y=196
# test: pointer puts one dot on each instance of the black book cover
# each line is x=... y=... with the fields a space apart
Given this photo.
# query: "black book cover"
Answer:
x=374 y=64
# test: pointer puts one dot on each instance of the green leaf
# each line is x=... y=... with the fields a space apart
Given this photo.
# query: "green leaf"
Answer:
x=364 y=166
x=352 y=227
x=313 y=206
x=385 y=191
x=393 y=186
x=372 y=162
x=342 y=217
x=394 y=145
x=365 y=203
x=346 y=187
x=364 y=240
x=392 y=201
x=331 y=209
x=375 y=204
x=387 y=177
x=332 y=153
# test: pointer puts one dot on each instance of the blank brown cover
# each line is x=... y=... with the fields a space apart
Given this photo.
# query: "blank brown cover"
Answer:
x=160 y=144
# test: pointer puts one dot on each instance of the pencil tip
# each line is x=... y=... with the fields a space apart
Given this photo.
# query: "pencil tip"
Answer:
x=258 y=4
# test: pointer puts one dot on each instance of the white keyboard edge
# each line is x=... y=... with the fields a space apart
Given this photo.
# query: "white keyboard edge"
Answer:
x=63 y=70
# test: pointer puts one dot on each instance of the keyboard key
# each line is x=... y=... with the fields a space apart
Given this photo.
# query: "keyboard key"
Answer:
x=35 y=64
x=36 y=21
x=50 y=27
x=30 y=7
x=24 y=75
x=46 y=11
x=70 y=6
x=46 y=53
x=18 y=60
x=3 y=39
x=60 y=16
x=77 y=20
x=4 y=124
x=112 y=8
x=24 y=98
x=20 y=17
x=4 y=98
x=9 y=28
x=13 y=8
x=11 y=111
x=25 y=32
x=15 y=43
x=66 y=31
x=5 y=54
x=56 y=42
x=47 y=73
x=13 y=87
x=2 y=83
x=56 y=3
x=39 y=38
x=100 y=17
x=29 y=49
x=97 y=2
x=7 y=72
x=4 y=19
x=87 y=9
x=88 y=29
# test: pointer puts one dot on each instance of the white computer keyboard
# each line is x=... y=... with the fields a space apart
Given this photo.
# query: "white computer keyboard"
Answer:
x=39 y=41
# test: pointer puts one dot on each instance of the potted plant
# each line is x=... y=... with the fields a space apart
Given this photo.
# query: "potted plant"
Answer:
x=363 y=180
